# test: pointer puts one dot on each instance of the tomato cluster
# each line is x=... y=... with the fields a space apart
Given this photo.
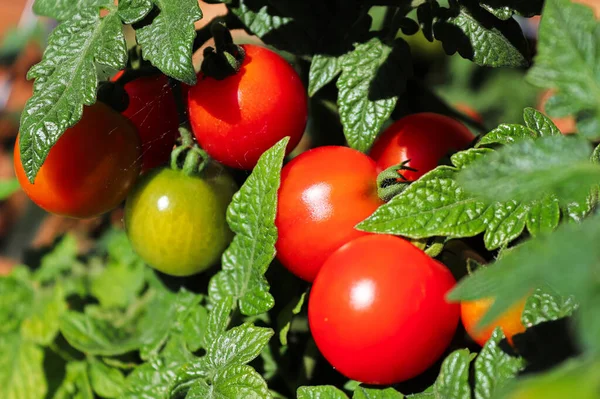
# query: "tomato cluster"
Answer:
x=377 y=308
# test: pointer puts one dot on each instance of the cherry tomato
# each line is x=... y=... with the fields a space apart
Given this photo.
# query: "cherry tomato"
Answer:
x=176 y=223
x=91 y=167
x=238 y=118
x=377 y=310
x=423 y=138
x=509 y=322
x=324 y=193
x=153 y=111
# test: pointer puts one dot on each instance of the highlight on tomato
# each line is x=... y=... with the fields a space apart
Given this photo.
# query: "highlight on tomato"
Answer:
x=324 y=193
x=237 y=118
x=377 y=310
x=90 y=169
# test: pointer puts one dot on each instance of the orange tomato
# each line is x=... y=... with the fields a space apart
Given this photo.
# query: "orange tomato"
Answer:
x=509 y=322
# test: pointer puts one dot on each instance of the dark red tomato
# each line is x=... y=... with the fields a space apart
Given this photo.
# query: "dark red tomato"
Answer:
x=377 y=310
x=324 y=193
x=238 y=118
x=90 y=169
x=423 y=138
x=153 y=111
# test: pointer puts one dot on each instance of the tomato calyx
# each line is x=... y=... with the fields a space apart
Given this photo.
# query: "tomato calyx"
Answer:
x=226 y=58
x=187 y=156
x=392 y=182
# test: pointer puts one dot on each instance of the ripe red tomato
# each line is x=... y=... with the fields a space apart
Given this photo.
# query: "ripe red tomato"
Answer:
x=90 y=169
x=509 y=322
x=423 y=138
x=377 y=310
x=238 y=118
x=153 y=111
x=324 y=193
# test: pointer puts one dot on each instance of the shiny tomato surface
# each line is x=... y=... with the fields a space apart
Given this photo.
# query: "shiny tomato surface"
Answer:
x=324 y=193
x=238 y=118
x=377 y=310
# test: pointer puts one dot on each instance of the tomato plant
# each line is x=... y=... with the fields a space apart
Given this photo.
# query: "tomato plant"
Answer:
x=377 y=310
x=176 y=223
x=509 y=322
x=90 y=169
x=238 y=118
x=344 y=257
x=324 y=193
x=420 y=140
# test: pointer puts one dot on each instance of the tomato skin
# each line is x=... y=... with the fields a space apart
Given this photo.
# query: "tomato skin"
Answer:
x=566 y=124
x=469 y=111
x=510 y=322
x=377 y=310
x=423 y=138
x=177 y=223
x=238 y=118
x=324 y=193
x=91 y=167
x=153 y=111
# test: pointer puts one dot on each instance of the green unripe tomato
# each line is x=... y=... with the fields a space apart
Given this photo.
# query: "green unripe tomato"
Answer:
x=177 y=223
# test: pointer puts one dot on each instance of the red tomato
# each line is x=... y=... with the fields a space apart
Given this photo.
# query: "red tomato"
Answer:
x=90 y=169
x=238 y=118
x=153 y=111
x=324 y=193
x=377 y=310
x=509 y=322
x=424 y=139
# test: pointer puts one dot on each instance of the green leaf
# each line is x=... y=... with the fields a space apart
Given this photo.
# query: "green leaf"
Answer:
x=373 y=75
x=543 y=216
x=320 y=392
x=218 y=319
x=41 y=326
x=568 y=62
x=536 y=263
x=251 y=216
x=8 y=188
x=66 y=80
x=260 y=21
x=21 y=369
x=65 y=9
x=236 y=381
x=507 y=134
x=118 y=284
x=453 y=380
x=540 y=123
x=152 y=380
x=286 y=315
x=167 y=41
x=240 y=345
x=482 y=38
x=17 y=298
x=525 y=8
x=389 y=393
x=106 y=381
x=323 y=69
x=194 y=323
x=132 y=11
x=545 y=305
x=531 y=169
x=576 y=378
x=59 y=261
x=493 y=367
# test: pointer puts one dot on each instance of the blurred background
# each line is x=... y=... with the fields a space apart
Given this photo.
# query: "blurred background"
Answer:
x=487 y=96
